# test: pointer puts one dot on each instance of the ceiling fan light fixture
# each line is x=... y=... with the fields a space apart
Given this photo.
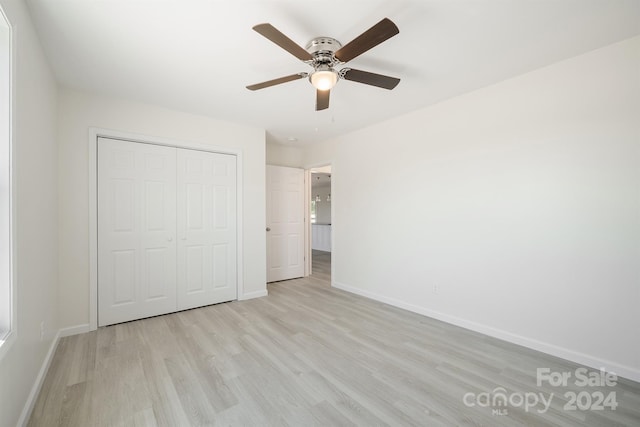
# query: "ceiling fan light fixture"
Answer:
x=325 y=53
x=324 y=79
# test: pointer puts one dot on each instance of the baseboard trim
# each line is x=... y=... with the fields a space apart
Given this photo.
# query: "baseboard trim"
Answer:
x=564 y=353
x=252 y=295
x=35 y=390
x=74 y=330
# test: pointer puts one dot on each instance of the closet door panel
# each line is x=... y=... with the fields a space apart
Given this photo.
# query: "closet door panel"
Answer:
x=206 y=191
x=136 y=230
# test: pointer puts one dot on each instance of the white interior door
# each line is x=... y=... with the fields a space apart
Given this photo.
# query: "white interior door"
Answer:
x=136 y=230
x=206 y=228
x=285 y=223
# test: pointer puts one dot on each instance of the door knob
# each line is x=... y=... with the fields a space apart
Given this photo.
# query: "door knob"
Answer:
x=268 y=229
x=169 y=239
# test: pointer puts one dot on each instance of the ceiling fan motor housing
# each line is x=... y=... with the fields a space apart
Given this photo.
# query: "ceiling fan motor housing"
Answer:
x=322 y=49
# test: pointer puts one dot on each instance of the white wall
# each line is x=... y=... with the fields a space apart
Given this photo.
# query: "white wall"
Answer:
x=282 y=155
x=36 y=188
x=79 y=111
x=518 y=202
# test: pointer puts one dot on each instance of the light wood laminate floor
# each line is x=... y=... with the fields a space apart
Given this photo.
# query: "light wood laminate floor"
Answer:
x=321 y=265
x=305 y=355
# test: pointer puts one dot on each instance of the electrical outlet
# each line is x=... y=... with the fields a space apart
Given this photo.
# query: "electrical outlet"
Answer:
x=436 y=289
x=42 y=331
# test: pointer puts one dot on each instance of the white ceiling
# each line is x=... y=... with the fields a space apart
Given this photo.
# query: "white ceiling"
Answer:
x=198 y=56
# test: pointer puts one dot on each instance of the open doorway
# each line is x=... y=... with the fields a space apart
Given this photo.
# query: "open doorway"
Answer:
x=320 y=230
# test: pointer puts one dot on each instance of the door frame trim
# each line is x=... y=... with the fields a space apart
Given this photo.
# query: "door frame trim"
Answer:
x=94 y=134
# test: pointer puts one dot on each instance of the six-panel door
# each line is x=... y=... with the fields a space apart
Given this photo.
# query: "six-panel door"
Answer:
x=136 y=230
x=285 y=223
x=166 y=230
x=206 y=228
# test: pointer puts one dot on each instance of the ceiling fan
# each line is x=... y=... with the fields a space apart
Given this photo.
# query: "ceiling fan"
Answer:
x=324 y=54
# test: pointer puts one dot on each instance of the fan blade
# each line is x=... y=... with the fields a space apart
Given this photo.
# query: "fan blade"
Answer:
x=322 y=99
x=375 y=35
x=274 y=82
x=372 y=79
x=270 y=32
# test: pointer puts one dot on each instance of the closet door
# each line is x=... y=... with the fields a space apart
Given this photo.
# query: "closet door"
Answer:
x=206 y=188
x=136 y=230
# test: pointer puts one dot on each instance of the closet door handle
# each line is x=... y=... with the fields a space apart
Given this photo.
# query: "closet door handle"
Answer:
x=268 y=229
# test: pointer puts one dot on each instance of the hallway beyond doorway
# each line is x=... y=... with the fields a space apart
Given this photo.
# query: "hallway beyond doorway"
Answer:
x=321 y=265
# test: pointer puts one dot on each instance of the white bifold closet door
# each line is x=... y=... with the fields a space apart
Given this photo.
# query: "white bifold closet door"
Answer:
x=206 y=228
x=166 y=230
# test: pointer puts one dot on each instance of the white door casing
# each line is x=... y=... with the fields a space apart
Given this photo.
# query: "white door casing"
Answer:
x=285 y=223
x=206 y=225
x=136 y=228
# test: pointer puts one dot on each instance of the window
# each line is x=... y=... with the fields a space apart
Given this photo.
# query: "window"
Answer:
x=7 y=325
